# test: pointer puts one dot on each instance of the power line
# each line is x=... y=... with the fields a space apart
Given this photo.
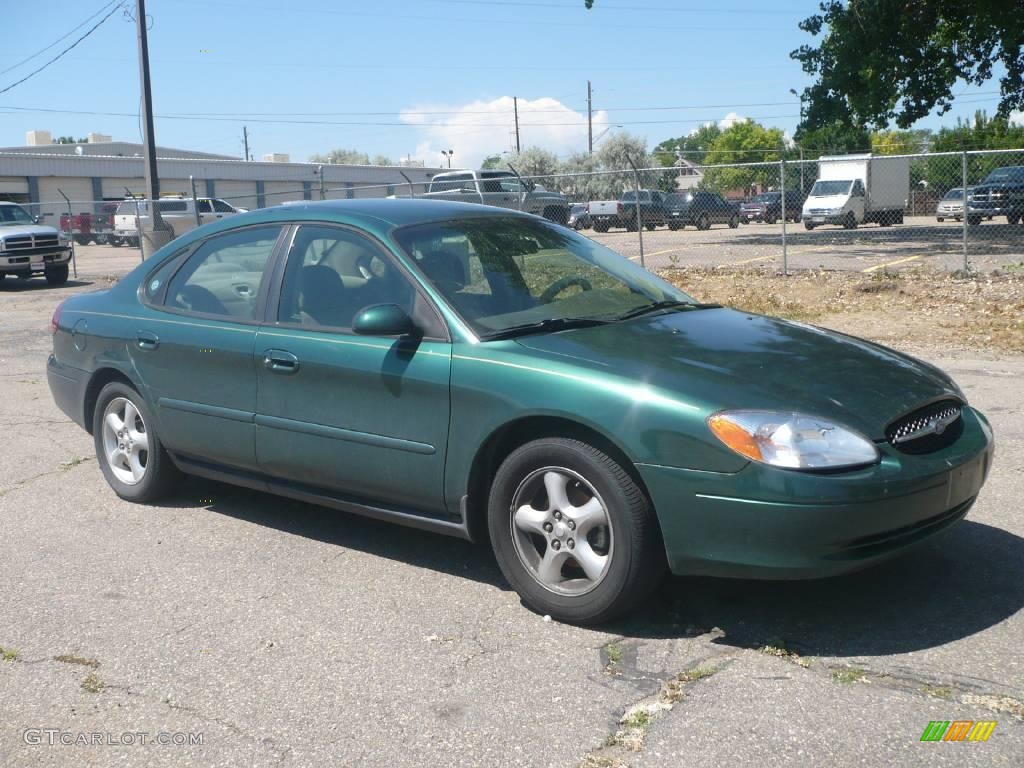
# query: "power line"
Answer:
x=59 y=39
x=61 y=54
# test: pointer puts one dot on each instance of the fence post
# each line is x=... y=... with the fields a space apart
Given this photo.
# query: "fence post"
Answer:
x=412 y=192
x=195 y=202
x=138 y=223
x=963 y=166
x=71 y=228
x=782 y=188
x=639 y=218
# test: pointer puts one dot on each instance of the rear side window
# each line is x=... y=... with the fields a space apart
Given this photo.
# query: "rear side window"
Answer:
x=223 y=275
x=172 y=206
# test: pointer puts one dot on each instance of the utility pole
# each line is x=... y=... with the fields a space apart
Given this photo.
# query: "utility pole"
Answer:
x=245 y=138
x=159 y=234
x=515 y=108
x=590 y=121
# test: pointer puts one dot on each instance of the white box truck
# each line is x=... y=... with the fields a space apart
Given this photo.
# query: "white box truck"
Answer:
x=856 y=189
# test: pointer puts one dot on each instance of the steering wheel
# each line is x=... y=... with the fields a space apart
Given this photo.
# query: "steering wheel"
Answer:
x=560 y=285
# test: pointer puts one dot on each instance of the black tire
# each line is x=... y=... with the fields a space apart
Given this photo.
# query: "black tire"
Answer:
x=734 y=222
x=57 y=275
x=703 y=222
x=1012 y=218
x=808 y=225
x=675 y=226
x=769 y=219
x=81 y=239
x=651 y=227
x=974 y=220
x=850 y=222
x=939 y=219
x=636 y=555
x=600 y=226
x=117 y=242
x=160 y=473
x=631 y=225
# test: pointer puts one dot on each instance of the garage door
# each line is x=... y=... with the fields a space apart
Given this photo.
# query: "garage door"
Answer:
x=241 y=194
x=52 y=204
x=114 y=188
x=277 y=192
x=13 y=185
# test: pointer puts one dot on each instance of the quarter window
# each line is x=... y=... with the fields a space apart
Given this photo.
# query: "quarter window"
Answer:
x=221 y=207
x=224 y=274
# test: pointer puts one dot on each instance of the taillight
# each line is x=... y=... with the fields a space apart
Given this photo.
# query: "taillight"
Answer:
x=55 y=320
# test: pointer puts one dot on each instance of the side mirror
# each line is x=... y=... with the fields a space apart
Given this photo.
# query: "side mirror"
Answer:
x=38 y=218
x=383 y=320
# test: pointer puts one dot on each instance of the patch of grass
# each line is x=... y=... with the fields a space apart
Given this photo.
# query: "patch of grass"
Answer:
x=9 y=654
x=672 y=692
x=613 y=652
x=777 y=648
x=1006 y=704
x=601 y=761
x=91 y=683
x=638 y=718
x=939 y=691
x=849 y=675
x=698 y=673
x=67 y=658
x=72 y=463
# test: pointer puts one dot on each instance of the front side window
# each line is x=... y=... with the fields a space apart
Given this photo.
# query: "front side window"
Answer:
x=500 y=272
x=858 y=189
x=205 y=206
x=221 y=207
x=332 y=274
x=223 y=276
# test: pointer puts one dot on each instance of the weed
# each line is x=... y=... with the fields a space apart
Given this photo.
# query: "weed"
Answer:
x=68 y=658
x=91 y=683
x=849 y=675
x=8 y=654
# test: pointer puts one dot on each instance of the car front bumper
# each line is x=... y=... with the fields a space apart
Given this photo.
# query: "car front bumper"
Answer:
x=12 y=262
x=765 y=522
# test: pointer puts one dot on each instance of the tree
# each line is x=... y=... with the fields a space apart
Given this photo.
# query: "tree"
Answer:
x=534 y=161
x=342 y=157
x=694 y=145
x=944 y=173
x=581 y=185
x=382 y=160
x=745 y=142
x=882 y=61
x=491 y=162
x=70 y=140
x=901 y=142
x=835 y=138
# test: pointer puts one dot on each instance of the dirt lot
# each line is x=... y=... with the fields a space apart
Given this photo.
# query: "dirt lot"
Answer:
x=289 y=635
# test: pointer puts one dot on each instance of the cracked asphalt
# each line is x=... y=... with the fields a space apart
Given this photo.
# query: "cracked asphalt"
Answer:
x=290 y=635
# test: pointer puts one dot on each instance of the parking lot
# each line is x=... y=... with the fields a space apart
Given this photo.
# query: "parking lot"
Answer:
x=291 y=635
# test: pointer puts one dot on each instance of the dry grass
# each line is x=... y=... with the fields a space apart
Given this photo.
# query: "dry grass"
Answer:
x=911 y=308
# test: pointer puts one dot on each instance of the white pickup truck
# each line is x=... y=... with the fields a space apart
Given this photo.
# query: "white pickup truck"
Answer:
x=178 y=213
x=28 y=248
x=502 y=189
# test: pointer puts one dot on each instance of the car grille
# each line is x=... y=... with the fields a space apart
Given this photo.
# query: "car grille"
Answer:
x=927 y=429
x=818 y=211
x=29 y=242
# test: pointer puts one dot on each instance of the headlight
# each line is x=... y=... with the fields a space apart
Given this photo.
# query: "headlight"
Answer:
x=834 y=211
x=64 y=238
x=791 y=440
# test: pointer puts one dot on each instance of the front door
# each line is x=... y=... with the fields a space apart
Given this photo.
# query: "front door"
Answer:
x=194 y=345
x=361 y=416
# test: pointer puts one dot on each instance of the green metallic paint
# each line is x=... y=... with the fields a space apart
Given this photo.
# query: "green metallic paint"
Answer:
x=402 y=421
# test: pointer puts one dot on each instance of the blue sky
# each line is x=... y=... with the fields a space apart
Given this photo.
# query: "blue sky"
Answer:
x=411 y=77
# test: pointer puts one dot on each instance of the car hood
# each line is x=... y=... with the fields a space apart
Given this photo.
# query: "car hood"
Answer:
x=826 y=201
x=26 y=229
x=723 y=358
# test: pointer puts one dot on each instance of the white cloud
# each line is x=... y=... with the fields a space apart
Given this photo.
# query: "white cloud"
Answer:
x=483 y=128
x=731 y=119
x=1017 y=118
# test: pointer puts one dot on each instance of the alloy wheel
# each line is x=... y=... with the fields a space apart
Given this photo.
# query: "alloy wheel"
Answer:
x=125 y=441
x=561 y=531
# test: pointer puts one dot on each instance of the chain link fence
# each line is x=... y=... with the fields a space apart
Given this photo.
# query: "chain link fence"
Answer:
x=853 y=212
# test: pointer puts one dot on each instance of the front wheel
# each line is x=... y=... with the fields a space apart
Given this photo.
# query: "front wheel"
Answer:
x=703 y=222
x=734 y=222
x=57 y=275
x=850 y=222
x=600 y=226
x=572 y=531
x=939 y=219
x=808 y=225
x=134 y=462
x=1012 y=218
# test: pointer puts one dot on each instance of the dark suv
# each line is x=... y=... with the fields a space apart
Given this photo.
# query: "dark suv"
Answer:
x=1000 y=194
x=701 y=209
x=767 y=208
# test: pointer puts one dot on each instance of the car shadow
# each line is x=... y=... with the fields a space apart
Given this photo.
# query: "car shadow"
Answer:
x=962 y=582
x=16 y=285
x=444 y=554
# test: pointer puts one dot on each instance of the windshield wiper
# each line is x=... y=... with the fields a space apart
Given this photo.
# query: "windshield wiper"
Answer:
x=667 y=304
x=548 y=325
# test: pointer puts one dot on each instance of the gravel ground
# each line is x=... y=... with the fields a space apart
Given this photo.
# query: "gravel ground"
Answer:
x=290 y=635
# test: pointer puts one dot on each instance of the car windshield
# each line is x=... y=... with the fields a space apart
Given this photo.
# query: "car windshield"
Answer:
x=954 y=194
x=14 y=214
x=828 y=188
x=766 y=197
x=130 y=207
x=504 y=272
x=1013 y=173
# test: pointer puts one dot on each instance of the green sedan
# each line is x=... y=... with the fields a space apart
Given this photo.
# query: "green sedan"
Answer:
x=494 y=376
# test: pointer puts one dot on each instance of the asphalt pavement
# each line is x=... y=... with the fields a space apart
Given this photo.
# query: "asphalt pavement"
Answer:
x=278 y=633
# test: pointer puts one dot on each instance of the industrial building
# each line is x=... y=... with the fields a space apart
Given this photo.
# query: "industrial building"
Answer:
x=42 y=174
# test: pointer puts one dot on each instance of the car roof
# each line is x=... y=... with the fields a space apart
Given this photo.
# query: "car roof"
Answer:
x=394 y=211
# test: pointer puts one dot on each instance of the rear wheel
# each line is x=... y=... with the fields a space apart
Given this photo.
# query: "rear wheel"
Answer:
x=674 y=225
x=1012 y=218
x=572 y=532
x=134 y=462
x=703 y=222
x=808 y=225
x=769 y=219
x=651 y=226
x=734 y=222
x=974 y=220
x=600 y=226
x=939 y=219
x=57 y=275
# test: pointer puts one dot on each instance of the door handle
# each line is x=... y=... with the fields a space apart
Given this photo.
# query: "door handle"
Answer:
x=279 y=361
x=147 y=340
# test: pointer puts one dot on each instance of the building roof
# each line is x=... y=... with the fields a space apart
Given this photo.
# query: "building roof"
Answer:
x=113 y=149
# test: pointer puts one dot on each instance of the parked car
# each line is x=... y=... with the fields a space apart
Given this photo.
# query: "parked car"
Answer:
x=700 y=209
x=1000 y=194
x=28 y=248
x=177 y=212
x=494 y=376
x=767 y=207
x=951 y=206
x=96 y=226
x=608 y=214
x=579 y=217
x=502 y=189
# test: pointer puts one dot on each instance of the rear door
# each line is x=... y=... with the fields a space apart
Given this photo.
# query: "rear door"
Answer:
x=193 y=345
x=362 y=416
x=499 y=189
